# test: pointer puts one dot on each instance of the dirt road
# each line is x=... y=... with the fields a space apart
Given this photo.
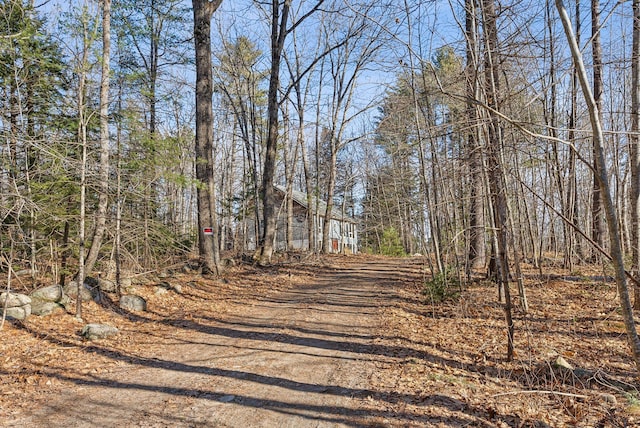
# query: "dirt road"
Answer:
x=303 y=357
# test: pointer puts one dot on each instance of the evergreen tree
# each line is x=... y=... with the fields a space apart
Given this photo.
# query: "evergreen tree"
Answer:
x=32 y=81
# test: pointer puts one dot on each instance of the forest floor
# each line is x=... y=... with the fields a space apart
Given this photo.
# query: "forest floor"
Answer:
x=337 y=341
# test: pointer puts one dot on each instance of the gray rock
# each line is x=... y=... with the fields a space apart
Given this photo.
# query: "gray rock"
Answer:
x=133 y=303
x=15 y=300
x=65 y=301
x=52 y=293
x=87 y=293
x=608 y=398
x=25 y=272
x=106 y=285
x=98 y=331
x=19 y=312
x=126 y=283
x=42 y=308
x=48 y=300
x=159 y=291
x=128 y=290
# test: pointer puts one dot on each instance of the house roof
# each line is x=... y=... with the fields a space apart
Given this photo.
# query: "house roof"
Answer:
x=301 y=199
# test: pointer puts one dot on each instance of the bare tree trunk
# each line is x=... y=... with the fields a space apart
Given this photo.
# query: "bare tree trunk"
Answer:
x=83 y=208
x=328 y=215
x=295 y=71
x=278 y=33
x=103 y=198
x=596 y=201
x=551 y=122
x=208 y=241
x=522 y=293
x=315 y=197
x=82 y=140
x=308 y=189
x=290 y=220
x=65 y=250
x=574 y=244
x=495 y=171
x=290 y=161
x=634 y=144
x=433 y=199
x=7 y=290
x=118 y=231
x=609 y=207
x=476 y=234
x=301 y=143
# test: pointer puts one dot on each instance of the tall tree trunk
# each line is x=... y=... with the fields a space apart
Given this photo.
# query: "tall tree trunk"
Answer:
x=572 y=182
x=596 y=48
x=151 y=211
x=308 y=187
x=208 y=241
x=153 y=72
x=476 y=234
x=290 y=161
x=314 y=198
x=118 y=229
x=609 y=207
x=65 y=250
x=290 y=217
x=495 y=172
x=269 y=210
x=82 y=140
x=552 y=125
x=327 y=244
x=634 y=144
x=103 y=197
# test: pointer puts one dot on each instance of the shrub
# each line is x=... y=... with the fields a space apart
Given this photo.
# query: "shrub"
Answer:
x=443 y=286
x=390 y=244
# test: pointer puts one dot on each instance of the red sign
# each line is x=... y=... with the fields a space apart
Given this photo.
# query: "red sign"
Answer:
x=207 y=230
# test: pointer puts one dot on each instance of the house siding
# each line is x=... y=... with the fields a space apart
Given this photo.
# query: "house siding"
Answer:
x=342 y=231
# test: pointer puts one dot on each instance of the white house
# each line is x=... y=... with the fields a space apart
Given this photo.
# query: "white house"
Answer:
x=343 y=231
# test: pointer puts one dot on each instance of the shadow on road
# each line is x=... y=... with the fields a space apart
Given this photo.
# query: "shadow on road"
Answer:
x=326 y=340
